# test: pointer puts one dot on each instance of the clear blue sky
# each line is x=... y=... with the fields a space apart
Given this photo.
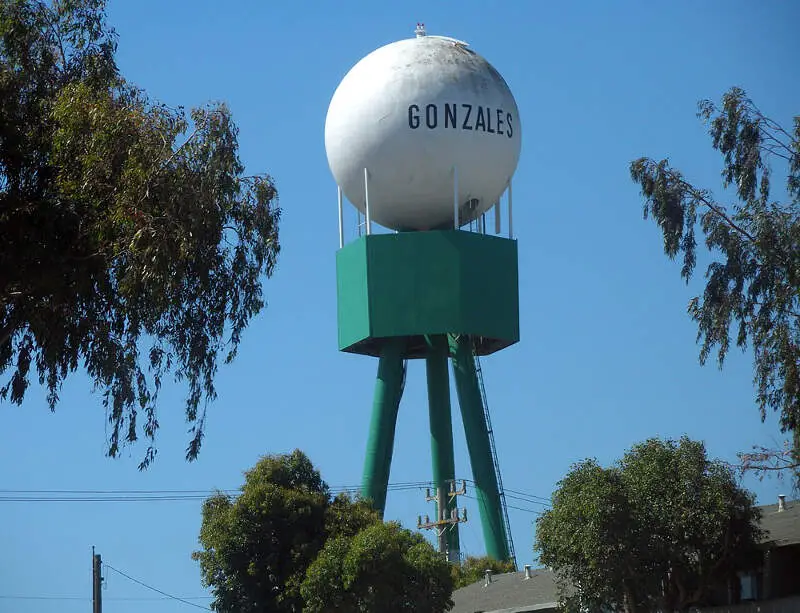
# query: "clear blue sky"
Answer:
x=607 y=356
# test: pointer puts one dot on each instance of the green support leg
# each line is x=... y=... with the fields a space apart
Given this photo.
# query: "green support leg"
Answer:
x=480 y=453
x=388 y=390
x=444 y=470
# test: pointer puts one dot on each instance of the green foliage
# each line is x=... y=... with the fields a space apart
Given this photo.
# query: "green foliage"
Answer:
x=752 y=293
x=474 y=568
x=134 y=247
x=382 y=568
x=657 y=531
x=257 y=547
x=586 y=536
x=284 y=544
x=346 y=517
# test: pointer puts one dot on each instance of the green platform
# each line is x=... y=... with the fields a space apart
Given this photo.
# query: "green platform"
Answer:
x=418 y=284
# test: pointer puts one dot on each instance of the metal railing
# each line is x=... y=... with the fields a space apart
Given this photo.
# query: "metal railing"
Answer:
x=501 y=491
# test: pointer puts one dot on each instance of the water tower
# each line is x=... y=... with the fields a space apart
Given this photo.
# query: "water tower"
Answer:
x=423 y=137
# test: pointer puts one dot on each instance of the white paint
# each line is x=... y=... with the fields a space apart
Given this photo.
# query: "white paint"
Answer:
x=411 y=176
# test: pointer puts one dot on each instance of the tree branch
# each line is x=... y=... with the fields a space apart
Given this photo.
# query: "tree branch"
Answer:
x=787 y=311
x=716 y=209
x=772 y=124
x=7 y=331
x=767 y=134
x=51 y=22
x=765 y=460
x=771 y=150
x=166 y=163
x=774 y=468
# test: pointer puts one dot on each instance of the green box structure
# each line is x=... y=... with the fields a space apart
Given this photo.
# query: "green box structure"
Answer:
x=418 y=284
x=439 y=295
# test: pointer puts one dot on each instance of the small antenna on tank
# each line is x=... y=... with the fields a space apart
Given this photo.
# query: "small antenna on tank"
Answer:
x=420 y=31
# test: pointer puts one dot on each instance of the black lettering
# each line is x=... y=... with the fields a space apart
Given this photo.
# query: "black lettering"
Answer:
x=413 y=117
x=480 y=122
x=431 y=116
x=489 y=121
x=465 y=125
x=450 y=115
x=510 y=131
x=500 y=121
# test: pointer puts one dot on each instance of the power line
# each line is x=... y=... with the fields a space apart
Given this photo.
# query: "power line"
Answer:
x=86 y=599
x=159 y=495
x=204 y=492
x=526 y=510
x=101 y=498
x=150 y=587
x=232 y=491
x=82 y=598
x=535 y=512
x=532 y=496
x=41 y=496
x=522 y=496
x=114 y=491
x=521 y=499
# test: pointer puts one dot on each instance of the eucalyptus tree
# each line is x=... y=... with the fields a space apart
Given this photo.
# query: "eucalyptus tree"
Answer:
x=134 y=246
x=752 y=236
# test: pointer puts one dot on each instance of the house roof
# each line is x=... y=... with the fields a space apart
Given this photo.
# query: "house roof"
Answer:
x=783 y=527
x=508 y=593
x=512 y=593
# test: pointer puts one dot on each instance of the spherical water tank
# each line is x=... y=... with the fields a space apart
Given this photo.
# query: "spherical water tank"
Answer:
x=410 y=113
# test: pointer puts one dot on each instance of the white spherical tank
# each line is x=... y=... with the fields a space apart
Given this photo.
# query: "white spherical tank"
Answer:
x=412 y=111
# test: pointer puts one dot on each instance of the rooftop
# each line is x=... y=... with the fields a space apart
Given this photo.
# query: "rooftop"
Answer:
x=508 y=593
x=783 y=527
x=512 y=593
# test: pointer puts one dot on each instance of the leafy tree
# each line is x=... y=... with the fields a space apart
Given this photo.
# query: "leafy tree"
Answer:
x=257 y=547
x=752 y=292
x=382 y=568
x=474 y=569
x=657 y=531
x=260 y=550
x=134 y=246
x=345 y=517
x=589 y=539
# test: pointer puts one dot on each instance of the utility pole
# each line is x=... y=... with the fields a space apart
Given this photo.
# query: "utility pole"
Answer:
x=97 y=581
x=447 y=516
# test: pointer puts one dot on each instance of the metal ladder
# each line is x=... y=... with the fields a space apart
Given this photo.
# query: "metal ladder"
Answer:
x=501 y=491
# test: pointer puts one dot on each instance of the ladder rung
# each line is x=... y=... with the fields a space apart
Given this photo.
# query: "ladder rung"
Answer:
x=493 y=448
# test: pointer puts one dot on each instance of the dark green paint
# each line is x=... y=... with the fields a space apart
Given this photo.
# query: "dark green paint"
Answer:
x=380 y=446
x=403 y=296
x=414 y=284
x=480 y=454
x=444 y=470
x=352 y=292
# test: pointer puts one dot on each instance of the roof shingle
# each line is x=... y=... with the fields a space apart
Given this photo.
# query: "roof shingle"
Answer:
x=783 y=527
x=508 y=591
x=512 y=593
